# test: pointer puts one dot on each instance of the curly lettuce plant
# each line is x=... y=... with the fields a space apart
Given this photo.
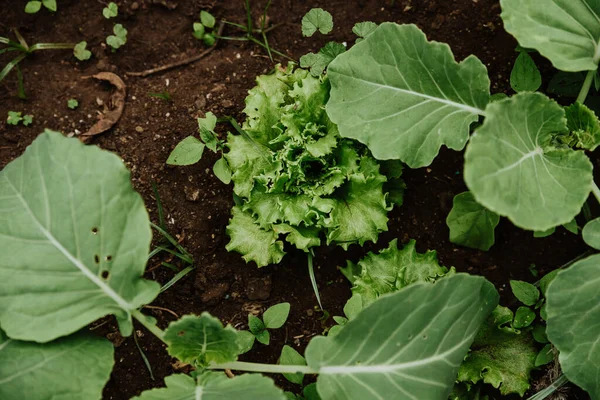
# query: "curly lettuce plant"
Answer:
x=75 y=242
x=296 y=178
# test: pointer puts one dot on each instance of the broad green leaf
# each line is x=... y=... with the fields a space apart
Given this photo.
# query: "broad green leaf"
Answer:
x=245 y=341
x=198 y=30
x=33 y=6
x=81 y=52
x=253 y=242
x=393 y=269
x=500 y=356
x=71 y=368
x=363 y=29
x=207 y=19
x=187 y=152
x=317 y=63
x=525 y=75
x=317 y=19
x=525 y=292
x=543 y=234
x=513 y=169
x=405 y=97
x=523 y=317
x=408 y=344
x=471 y=224
x=289 y=356
x=215 y=386
x=546 y=280
x=209 y=39
x=201 y=340
x=209 y=122
x=73 y=207
x=591 y=233
x=222 y=171
x=539 y=333
x=566 y=32
x=584 y=127
x=301 y=237
x=275 y=316
x=573 y=307
x=111 y=10
x=247 y=160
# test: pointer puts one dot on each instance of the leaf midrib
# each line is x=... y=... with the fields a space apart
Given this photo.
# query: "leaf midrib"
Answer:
x=76 y=262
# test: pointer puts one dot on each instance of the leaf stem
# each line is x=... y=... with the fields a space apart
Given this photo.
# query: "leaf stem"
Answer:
x=554 y=386
x=313 y=280
x=144 y=320
x=264 y=368
x=587 y=84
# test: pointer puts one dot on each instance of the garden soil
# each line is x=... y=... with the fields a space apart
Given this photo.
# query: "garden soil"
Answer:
x=196 y=204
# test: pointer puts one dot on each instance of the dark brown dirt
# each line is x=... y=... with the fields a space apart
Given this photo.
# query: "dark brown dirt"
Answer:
x=197 y=204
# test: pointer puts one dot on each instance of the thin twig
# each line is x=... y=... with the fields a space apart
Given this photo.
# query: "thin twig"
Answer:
x=162 y=309
x=182 y=62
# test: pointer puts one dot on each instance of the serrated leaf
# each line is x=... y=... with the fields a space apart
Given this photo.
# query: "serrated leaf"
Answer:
x=583 y=126
x=364 y=29
x=187 y=152
x=70 y=368
x=222 y=171
x=471 y=224
x=525 y=75
x=525 y=292
x=245 y=341
x=251 y=241
x=591 y=233
x=573 y=307
x=207 y=19
x=393 y=269
x=317 y=19
x=407 y=344
x=419 y=98
x=215 y=386
x=301 y=237
x=564 y=31
x=201 y=340
x=276 y=315
x=499 y=356
x=73 y=207
x=247 y=160
x=317 y=63
x=289 y=356
x=523 y=317
x=513 y=169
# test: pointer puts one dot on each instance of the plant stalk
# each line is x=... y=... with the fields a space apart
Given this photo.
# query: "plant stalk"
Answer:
x=142 y=319
x=554 y=386
x=313 y=280
x=596 y=191
x=265 y=368
x=587 y=84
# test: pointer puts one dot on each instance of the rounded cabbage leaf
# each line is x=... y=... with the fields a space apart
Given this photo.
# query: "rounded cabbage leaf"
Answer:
x=513 y=168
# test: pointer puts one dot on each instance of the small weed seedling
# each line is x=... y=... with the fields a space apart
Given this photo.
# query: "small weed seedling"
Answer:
x=118 y=39
x=14 y=118
x=72 y=104
x=33 y=7
x=110 y=11
x=273 y=318
x=203 y=30
x=165 y=95
x=24 y=50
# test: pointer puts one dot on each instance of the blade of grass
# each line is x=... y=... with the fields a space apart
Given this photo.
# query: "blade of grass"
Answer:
x=21 y=39
x=182 y=257
x=177 y=278
x=159 y=207
x=170 y=266
x=172 y=240
x=21 y=86
x=262 y=30
x=244 y=28
x=554 y=386
x=144 y=358
x=313 y=280
x=51 y=46
x=6 y=50
x=11 y=65
x=249 y=16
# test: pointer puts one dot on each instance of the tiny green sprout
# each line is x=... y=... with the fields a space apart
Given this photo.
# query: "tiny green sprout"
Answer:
x=119 y=38
x=33 y=7
x=203 y=30
x=165 y=95
x=273 y=318
x=72 y=104
x=14 y=117
x=81 y=52
x=111 y=10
